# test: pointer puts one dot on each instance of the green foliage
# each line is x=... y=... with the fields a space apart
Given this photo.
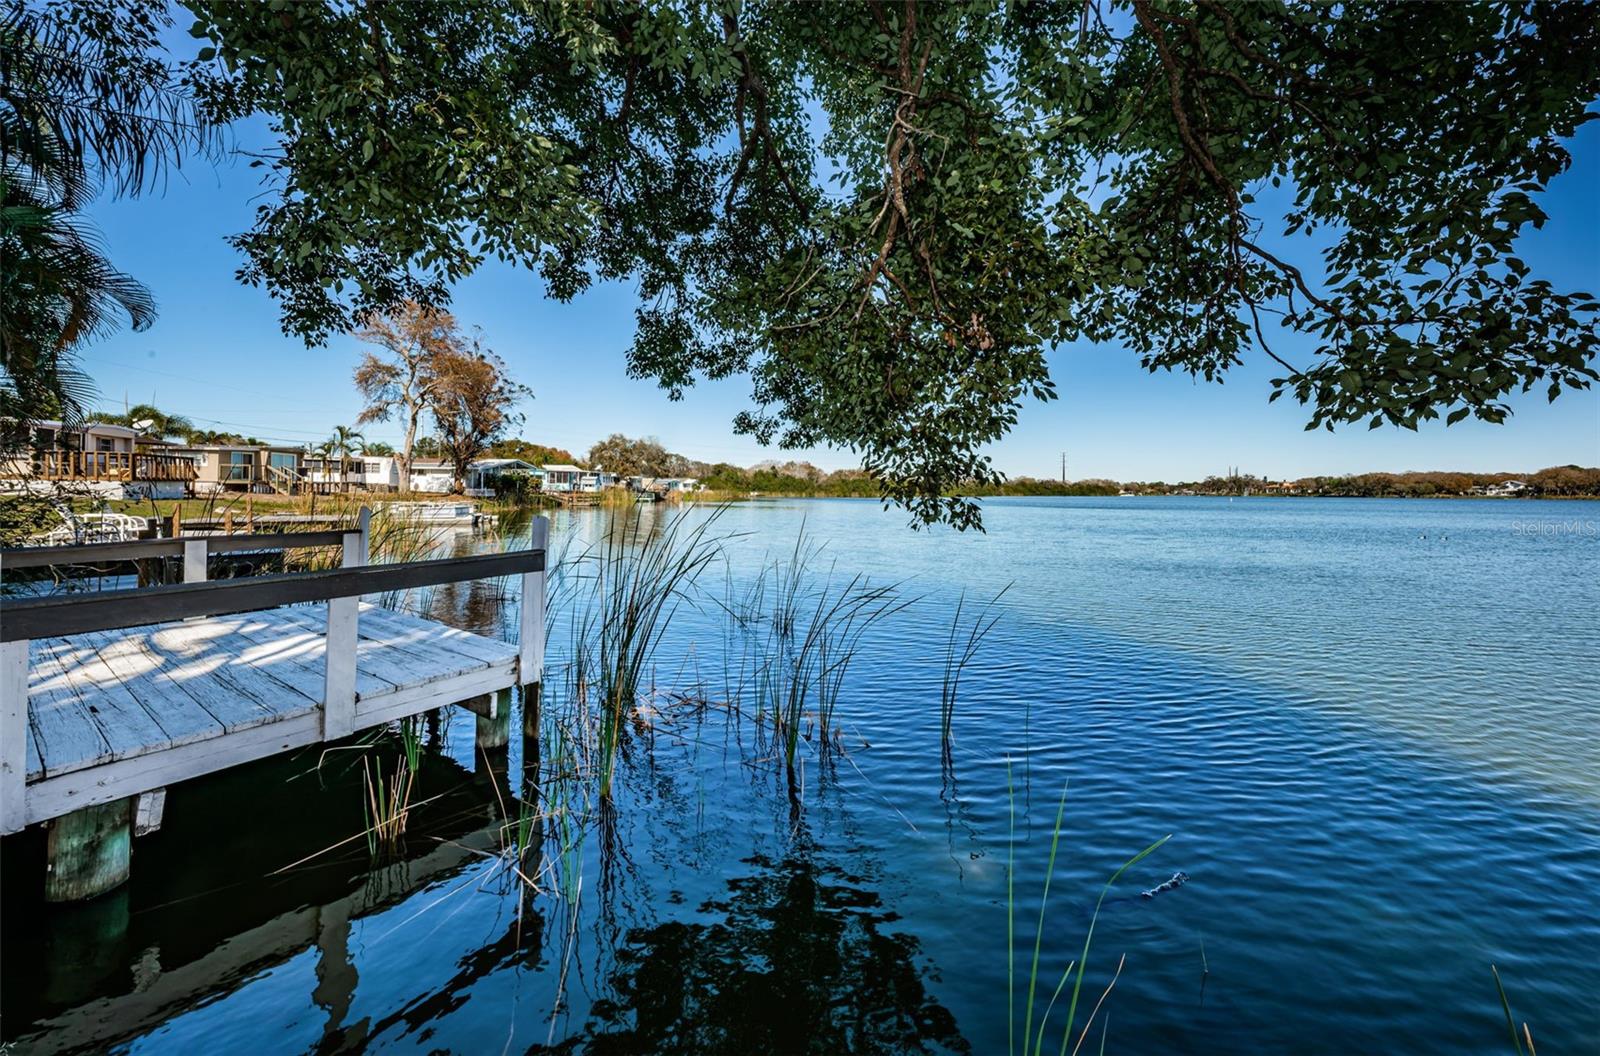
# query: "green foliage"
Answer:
x=531 y=453
x=162 y=425
x=884 y=214
x=624 y=457
x=22 y=516
x=516 y=487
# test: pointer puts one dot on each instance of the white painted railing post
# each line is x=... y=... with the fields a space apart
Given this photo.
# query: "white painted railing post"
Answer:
x=339 y=692
x=361 y=543
x=194 y=559
x=13 y=735
x=530 y=639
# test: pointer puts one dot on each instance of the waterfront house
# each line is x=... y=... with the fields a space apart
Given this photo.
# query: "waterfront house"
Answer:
x=482 y=474
x=561 y=476
x=358 y=473
x=258 y=468
x=93 y=458
x=592 y=480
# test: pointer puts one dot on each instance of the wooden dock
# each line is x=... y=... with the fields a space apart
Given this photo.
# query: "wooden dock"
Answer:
x=107 y=698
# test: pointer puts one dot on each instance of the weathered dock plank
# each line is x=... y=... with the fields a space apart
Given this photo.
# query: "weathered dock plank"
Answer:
x=413 y=652
x=66 y=728
x=115 y=713
x=238 y=696
x=297 y=648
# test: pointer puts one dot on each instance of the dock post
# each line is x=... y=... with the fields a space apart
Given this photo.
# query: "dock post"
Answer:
x=194 y=559
x=530 y=640
x=339 y=683
x=13 y=735
x=531 y=697
x=494 y=730
x=88 y=851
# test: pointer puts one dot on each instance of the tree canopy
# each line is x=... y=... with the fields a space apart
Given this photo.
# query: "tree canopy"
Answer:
x=473 y=401
x=886 y=213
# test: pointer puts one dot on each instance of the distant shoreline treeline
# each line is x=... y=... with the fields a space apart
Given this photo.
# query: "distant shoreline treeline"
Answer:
x=1554 y=482
x=626 y=457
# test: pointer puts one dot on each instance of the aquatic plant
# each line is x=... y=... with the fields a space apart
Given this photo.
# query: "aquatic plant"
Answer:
x=958 y=653
x=1033 y=1040
x=386 y=806
x=795 y=639
x=1511 y=1023
x=817 y=661
x=410 y=729
x=640 y=573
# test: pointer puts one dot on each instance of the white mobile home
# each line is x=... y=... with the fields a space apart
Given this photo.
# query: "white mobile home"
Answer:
x=359 y=472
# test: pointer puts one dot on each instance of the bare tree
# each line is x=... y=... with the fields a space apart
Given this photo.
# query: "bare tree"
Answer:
x=473 y=402
x=401 y=384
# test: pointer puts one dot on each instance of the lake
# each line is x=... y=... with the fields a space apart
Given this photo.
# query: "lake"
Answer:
x=1368 y=726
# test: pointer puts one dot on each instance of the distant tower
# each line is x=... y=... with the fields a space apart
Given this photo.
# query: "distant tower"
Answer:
x=1063 y=467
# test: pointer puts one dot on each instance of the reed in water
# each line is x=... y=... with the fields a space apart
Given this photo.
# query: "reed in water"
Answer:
x=637 y=575
x=959 y=652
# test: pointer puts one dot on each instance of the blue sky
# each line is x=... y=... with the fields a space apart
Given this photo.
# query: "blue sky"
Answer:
x=217 y=355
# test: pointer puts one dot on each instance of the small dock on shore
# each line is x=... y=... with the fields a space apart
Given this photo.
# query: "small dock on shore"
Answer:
x=107 y=698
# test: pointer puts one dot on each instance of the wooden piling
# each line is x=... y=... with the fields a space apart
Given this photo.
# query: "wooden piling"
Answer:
x=494 y=730
x=531 y=695
x=88 y=851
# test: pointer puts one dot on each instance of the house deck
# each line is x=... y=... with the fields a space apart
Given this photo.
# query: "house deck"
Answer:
x=114 y=713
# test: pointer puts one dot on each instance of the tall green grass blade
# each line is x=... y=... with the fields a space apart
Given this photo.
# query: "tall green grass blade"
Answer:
x=1038 y=934
x=1505 y=1005
x=1088 y=938
x=1011 y=915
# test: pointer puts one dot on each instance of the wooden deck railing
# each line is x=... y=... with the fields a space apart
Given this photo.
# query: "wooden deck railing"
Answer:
x=341 y=588
x=102 y=465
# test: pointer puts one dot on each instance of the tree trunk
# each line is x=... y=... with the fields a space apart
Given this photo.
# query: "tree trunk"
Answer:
x=403 y=463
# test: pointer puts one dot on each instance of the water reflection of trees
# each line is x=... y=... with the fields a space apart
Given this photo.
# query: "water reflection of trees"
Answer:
x=800 y=961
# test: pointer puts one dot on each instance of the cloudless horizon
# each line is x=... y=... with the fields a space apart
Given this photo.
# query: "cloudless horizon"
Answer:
x=216 y=354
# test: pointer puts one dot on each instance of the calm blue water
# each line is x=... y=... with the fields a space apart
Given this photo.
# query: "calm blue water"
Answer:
x=1370 y=728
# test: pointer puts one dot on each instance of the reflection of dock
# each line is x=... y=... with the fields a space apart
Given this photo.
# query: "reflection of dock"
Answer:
x=107 y=698
x=214 y=953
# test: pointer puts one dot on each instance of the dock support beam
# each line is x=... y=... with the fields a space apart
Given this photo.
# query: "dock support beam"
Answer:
x=531 y=695
x=88 y=851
